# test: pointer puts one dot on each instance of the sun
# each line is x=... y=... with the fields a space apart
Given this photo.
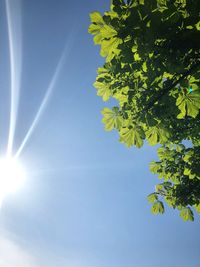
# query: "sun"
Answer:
x=12 y=176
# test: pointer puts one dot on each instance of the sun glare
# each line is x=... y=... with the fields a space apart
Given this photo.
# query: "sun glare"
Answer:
x=12 y=176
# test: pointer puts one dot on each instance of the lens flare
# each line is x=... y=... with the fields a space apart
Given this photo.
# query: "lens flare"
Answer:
x=13 y=14
x=48 y=93
x=12 y=176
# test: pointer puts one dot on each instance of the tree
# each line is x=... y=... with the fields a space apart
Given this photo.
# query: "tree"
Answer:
x=152 y=69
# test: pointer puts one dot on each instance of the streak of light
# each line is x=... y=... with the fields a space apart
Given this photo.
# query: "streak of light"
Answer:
x=13 y=14
x=46 y=96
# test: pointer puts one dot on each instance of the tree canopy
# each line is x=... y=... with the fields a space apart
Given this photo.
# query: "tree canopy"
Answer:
x=152 y=69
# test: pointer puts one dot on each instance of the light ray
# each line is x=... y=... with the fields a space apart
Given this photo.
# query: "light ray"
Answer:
x=46 y=97
x=13 y=14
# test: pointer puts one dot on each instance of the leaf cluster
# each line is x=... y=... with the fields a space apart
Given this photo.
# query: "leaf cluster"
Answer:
x=179 y=167
x=152 y=60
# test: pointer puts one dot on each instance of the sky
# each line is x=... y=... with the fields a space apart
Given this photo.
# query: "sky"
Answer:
x=84 y=200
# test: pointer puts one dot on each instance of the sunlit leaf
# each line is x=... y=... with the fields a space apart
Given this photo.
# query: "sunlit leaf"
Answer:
x=189 y=104
x=132 y=136
x=187 y=214
x=197 y=207
x=152 y=198
x=157 y=134
x=111 y=119
x=96 y=17
x=103 y=90
x=154 y=167
x=157 y=207
x=108 y=32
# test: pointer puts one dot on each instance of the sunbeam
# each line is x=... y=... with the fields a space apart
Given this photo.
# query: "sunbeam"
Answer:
x=46 y=96
x=13 y=14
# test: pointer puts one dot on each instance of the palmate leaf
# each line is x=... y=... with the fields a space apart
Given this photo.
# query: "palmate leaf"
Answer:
x=154 y=167
x=97 y=39
x=111 y=118
x=109 y=48
x=152 y=198
x=157 y=134
x=132 y=136
x=188 y=104
x=165 y=153
x=158 y=187
x=108 y=32
x=157 y=207
x=187 y=214
x=122 y=95
x=94 y=29
x=96 y=18
x=103 y=90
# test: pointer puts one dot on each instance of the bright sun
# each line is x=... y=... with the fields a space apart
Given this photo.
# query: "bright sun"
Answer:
x=12 y=176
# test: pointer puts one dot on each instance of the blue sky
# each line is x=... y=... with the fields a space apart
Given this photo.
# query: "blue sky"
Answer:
x=84 y=200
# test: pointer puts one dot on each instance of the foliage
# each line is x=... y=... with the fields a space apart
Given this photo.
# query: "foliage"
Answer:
x=152 y=60
x=179 y=167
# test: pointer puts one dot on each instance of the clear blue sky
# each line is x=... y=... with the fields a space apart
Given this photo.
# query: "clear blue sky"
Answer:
x=84 y=202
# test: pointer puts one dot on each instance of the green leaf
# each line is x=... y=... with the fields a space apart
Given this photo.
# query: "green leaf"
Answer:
x=197 y=207
x=109 y=48
x=192 y=176
x=198 y=26
x=154 y=167
x=188 y=156
x=188 y=104
x=117 y=6
x=98 y=38
x=141 y=2
x=137 y=57
x=96 y=17
x=157 y=134
x=111 y=14
x=158 y=187
x=111 y=118
x=94 y=29
x=157 y=207
x=162 y=5
x=187 y=214
x=189 y=27
x=187 y=171
x=152 y=197
x=122 y=95
x=108 y=32
x=132 y=136
x=134 y=48
x=144 y=67
x=103 y=90
x=165 y=153
x=180 y=148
